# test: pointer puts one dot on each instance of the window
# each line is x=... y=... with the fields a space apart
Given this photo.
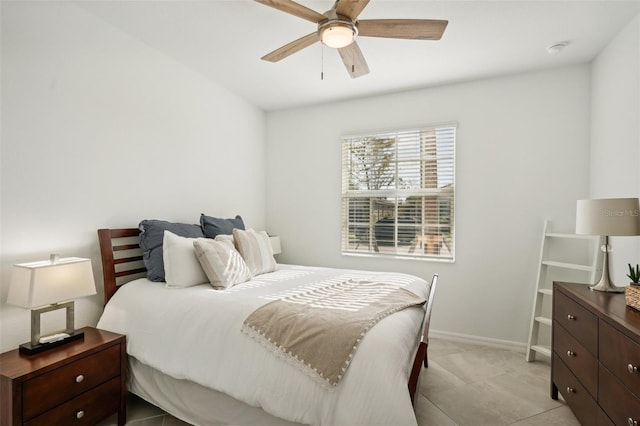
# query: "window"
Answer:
x=398 y=193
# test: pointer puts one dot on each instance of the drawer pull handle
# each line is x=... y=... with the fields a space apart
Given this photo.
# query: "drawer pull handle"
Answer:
x=80 y=414
x=571 y=317
x=570 y=390
x=632 y=368
x=79 y=378
x=571 y=353
x=632 y=422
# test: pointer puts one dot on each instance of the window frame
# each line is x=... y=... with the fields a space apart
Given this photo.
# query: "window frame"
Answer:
x=347 y=224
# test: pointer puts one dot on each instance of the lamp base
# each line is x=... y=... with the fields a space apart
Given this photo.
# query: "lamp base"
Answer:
x=605 y=283
x=30 y=349
x=607 y=287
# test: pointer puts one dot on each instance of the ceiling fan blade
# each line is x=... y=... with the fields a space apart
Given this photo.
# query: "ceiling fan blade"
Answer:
x=351 y=8
x=295 y=9
x=354 y=60
x=291 y=48
x=417 y=29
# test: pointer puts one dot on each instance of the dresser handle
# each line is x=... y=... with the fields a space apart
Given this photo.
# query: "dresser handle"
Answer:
x=571 y=353
x=632 y=368
x=570 y=390
x=571 y=317
x=80 y=414
x=632 y=422
x=79 y=378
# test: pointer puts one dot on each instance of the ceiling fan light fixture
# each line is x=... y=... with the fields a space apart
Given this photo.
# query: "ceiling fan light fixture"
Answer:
x=338 y=35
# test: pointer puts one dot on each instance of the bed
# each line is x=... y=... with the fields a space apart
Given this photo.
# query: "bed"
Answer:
x=190 y=353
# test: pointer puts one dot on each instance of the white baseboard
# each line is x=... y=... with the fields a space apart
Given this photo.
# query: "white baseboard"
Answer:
x=479 y=340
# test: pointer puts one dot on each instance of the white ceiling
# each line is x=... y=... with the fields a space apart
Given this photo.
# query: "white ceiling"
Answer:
x=224 y=40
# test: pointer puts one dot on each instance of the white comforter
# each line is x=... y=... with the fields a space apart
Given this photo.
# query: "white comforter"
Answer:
x=195 y=334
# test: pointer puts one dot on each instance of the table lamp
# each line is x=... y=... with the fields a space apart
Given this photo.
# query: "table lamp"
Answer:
x=47 y=286
x=608 y=217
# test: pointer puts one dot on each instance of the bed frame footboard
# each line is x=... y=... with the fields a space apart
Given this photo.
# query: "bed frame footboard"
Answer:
x=421 y=354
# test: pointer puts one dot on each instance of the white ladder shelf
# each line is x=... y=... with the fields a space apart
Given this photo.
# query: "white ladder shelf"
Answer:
x=542 y=291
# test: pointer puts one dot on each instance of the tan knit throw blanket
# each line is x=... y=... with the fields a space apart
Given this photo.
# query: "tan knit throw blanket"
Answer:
x=319 y=330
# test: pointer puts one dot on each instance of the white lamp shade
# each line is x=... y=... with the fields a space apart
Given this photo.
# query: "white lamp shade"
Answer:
x=43 y=283
x=608 y=217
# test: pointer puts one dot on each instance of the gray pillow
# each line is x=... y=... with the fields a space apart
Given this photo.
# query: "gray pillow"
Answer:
x=213 y=226
x=151 y=237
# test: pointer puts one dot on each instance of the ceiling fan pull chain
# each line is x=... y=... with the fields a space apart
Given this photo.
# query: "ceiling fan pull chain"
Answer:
x=321 y=61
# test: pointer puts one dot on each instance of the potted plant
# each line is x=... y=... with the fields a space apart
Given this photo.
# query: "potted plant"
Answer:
x=632 y=292
x=634 y=274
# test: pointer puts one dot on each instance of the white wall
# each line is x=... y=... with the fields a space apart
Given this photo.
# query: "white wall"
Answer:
x=91 y=115
x=99 y=130
x=522 y=157
x=615 y=134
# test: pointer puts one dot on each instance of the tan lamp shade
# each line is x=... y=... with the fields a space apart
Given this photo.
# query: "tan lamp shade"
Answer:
x=43 y=283
x=608 y=216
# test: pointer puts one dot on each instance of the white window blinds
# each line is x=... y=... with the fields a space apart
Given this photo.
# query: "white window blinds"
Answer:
x=398 y=193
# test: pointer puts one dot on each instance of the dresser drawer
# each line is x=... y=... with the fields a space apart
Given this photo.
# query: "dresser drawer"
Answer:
x=577 y=397
x=86 y=409
x=616 y=400
x=620 y=355
x=49 y=390
x=603 y=419
x=578 y=321
x=581 y=363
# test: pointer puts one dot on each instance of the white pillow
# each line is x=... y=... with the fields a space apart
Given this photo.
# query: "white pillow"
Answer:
x=255 y=249
x=221 y=262
x=181 y=265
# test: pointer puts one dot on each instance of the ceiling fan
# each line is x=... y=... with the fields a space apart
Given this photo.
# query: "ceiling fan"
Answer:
x=339 y=26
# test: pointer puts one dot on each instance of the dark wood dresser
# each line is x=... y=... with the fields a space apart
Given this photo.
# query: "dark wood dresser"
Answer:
x=595 y=362
x=78 y=383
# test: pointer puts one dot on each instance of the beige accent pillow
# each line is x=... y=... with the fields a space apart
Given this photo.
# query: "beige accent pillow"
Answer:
x=228 y=238
x=221 y=262
x=255 y=249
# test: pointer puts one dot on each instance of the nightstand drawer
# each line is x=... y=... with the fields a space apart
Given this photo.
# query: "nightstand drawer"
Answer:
x=581 y=363
x=618 y=402
x=86 y=409
x=620 y=355
x=578 y=321
x=50 y=389
x=577 y=397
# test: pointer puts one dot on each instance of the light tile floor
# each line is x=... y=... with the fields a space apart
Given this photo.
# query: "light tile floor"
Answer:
x=465 y=384
x=469 y=384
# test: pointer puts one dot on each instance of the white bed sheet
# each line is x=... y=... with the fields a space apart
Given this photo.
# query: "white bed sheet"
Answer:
x=194 y=334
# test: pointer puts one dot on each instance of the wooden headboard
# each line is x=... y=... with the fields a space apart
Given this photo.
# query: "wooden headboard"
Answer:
x=121 y=258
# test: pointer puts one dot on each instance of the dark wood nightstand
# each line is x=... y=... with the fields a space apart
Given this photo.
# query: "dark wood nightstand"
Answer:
x=78 y=383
